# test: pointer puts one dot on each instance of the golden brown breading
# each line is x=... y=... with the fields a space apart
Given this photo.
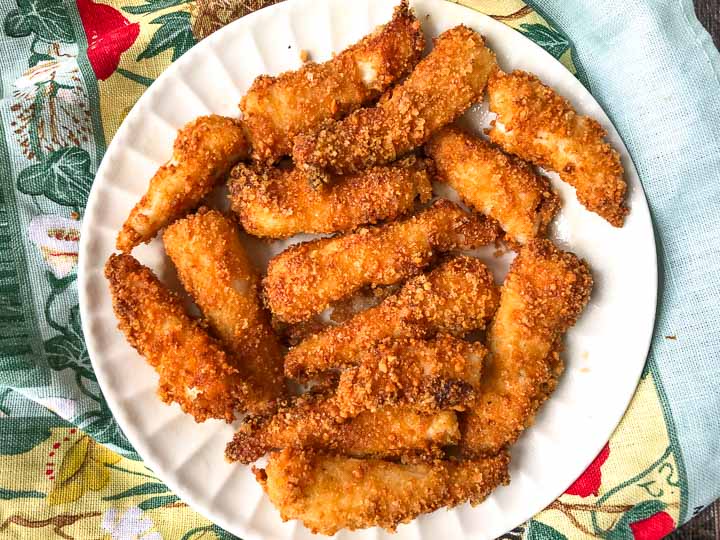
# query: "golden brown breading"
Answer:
x=194 y=371
x=442 y=86
x=277 y=203
x=214 y=268
x=495 y=184
x=457 y=297
x=276 y=109
x=543 y=295
x=203 y=153
x=328 y=493
x=427 y=376
x=307 y=277
x=314 y=421
x=538 y=125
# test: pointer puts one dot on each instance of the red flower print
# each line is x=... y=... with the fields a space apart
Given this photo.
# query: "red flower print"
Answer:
x=589 y=481
x=655 y=527
x=109 y=34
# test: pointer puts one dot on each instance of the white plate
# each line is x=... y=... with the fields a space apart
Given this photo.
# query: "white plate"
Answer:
x=605 y=352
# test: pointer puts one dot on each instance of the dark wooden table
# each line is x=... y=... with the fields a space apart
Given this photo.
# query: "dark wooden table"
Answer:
x=708 y=11
x=706 y=525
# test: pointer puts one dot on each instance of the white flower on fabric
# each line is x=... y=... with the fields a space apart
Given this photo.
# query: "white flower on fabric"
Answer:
x=63 y=407
x=59 y=69
x=50 y=106
x=58 y=239
x=130 y=526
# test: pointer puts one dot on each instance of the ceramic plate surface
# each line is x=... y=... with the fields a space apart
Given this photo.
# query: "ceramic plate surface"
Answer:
x=604 y=354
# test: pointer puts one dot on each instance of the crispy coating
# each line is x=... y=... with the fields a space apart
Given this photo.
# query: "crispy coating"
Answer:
x=194 y=371
x=203 y=153
x=537 y=124
x=441 y=88
x=276 y=109
x=314 y=421
x=277 y=203
x=214 y=268
x=328 y=493
x=457 y=297
x=543 y=295
x=495 y=184
x=307 y=277
x=427 y=376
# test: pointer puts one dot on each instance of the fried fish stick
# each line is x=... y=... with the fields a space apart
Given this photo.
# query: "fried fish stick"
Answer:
x=307 y=277
x=277 y=203
x=314 y=421
x=204 y=151
x=543 y=295
x=540 y=126
x=495 y=184
x=328 y=493
x=276 y=109
x=457 y=297
x=194 y=371
x=441 y=88
x=427 y=376
x=214 y=268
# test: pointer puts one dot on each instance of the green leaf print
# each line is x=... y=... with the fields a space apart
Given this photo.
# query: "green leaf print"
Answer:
x=15 y=25
x=640 y=511
x=157 y=502
x=20 y=434
x=540 y=531
x=143 y=489
x=200 y=532
x=152 y=6
x=8 y=494
x=32 y=180
x=101 y=425
x=63 y=352
x=70 y=178
x=36 y=58
x=48 y=19
x=222 y=534
x=64 y=177
x=549 y=39
x=58 y=285
x=174 y=33
x=68 y=350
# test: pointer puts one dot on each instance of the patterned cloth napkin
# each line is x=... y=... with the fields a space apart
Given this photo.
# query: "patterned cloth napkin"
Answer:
x=70 y=73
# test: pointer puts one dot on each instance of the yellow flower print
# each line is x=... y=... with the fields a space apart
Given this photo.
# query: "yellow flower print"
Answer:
x=82 y=470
